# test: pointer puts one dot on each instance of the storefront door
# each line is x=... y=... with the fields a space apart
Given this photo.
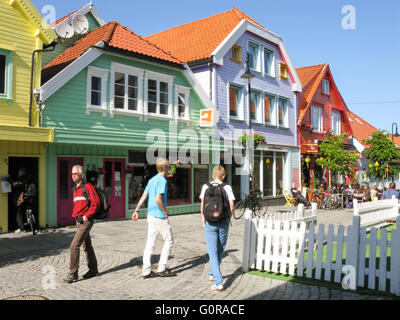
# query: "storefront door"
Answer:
x=114 y=186
x=64 y=189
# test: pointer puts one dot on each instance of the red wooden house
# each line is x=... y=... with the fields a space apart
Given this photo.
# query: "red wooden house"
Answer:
x=321 y=109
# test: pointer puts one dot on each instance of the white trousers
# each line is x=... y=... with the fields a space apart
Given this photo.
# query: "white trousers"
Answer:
x=157 y=226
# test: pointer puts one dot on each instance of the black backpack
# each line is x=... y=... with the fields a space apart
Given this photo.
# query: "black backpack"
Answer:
x=216 y=206
x=103 y=212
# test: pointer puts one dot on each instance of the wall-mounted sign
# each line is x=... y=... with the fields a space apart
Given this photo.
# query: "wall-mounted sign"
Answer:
x=312 y=148
x=207 y=118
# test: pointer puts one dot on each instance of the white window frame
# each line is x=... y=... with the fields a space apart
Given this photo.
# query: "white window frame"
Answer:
x=335 y=117
x=103 y=75
x=158 y=77
x=257 y=55
x=286 y=114
x=259 y=109
x=186 y=92
x=128 y=71
x=273 y=113
x=317 y=112
x=272 y=65
x=240 y=100
x=325 y=86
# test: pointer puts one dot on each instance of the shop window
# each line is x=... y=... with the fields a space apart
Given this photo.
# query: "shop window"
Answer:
x=200 y=177
x=268 y=174
x=279 y=174
x=179 y=187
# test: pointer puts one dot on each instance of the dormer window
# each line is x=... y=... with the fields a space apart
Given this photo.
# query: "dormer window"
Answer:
x=325 y=86
x=235 y=53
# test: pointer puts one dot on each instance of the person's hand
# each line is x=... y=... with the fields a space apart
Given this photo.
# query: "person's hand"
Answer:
x=135 y=216
x=85 y=219
x=166 y=214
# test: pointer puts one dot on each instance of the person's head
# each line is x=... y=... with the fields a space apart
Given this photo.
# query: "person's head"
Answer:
x=77 y=174
x=162 y=165
x=392 y=185
x=22 y=172
x=218 y=173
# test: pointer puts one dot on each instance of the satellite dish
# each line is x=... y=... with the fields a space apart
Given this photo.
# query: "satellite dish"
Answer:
x=65 y=30
x=80 y=24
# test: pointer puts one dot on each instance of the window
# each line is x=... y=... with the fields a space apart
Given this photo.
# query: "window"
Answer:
x=200 y=175
x=254 y=60
x=335 y=122
x=2 y=74
x=235 y=94
x=255 y=108
x=283 y=113
x=316 y=119
x=182 y=102
x=268 y=62
x=96 y=89
x=6 y=74
x=325 y=86
x=235 y=53
x=159 y=96
x=283 y=71
x=126 y=83
x=269 y=110
x=274 y=173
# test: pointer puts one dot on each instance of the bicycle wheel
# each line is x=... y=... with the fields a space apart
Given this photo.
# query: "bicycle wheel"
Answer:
x=240 y=208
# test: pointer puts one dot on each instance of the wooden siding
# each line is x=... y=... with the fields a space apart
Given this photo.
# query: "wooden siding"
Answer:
x=66 y=111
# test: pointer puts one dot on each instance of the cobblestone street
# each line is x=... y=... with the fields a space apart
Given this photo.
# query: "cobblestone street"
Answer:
x=119 y=246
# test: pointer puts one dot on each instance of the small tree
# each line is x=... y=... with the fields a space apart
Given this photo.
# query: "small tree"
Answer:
x=335 y=158
x=381 y=151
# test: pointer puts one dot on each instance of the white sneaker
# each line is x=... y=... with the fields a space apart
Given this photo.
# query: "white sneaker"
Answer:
x=17 y=231
x=219 y=287
x=211 y=278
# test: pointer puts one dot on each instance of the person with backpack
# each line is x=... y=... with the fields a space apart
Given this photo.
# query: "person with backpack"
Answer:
x=83 y=212
x=217 y=206
x=157 y=221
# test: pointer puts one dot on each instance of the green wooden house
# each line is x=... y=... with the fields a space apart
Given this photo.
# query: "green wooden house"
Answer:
x=116 y=101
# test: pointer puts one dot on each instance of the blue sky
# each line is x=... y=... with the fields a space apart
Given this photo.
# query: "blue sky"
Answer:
x=364 y=61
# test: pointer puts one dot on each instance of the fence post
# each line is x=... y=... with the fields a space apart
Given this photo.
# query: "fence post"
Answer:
x=300 y=210
x=395 y=206
x=314 y=207
x=247 y=240
x=353 y=248
x=395 y=260
x=356 y=210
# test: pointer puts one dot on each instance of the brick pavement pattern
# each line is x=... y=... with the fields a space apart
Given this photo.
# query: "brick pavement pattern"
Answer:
x=26 y=263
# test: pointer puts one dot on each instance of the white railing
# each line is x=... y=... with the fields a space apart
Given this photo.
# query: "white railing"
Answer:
x=301 y=214
x=288 y=248
x=374 y=213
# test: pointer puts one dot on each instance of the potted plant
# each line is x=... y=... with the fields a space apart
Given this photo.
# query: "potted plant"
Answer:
x=172 y=168
x=257 y=136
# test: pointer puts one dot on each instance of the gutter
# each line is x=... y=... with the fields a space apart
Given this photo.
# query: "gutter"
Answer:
x=46 y=48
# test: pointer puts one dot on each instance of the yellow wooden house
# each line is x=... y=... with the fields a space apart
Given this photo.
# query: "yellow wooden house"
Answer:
x=23 y=33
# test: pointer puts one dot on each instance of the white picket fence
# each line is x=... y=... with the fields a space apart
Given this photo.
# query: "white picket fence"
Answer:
x=288 y=248
x=374 y=213
x=301 y=214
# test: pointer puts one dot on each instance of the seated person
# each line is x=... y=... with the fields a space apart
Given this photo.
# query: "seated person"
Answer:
x=391 y=192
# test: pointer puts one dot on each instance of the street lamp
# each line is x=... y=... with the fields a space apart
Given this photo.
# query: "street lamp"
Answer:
x=248 y=75
x=396 y=134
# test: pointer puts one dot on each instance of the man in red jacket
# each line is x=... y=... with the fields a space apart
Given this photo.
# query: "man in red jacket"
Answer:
x=83 y=213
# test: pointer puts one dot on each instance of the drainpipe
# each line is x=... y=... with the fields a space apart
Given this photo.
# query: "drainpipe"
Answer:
x=52 y=46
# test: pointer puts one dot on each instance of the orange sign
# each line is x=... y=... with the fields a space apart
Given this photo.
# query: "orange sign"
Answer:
x=206 y=118
x=312 y=148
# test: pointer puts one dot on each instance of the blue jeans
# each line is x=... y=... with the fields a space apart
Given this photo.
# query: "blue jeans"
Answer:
x=216 y=236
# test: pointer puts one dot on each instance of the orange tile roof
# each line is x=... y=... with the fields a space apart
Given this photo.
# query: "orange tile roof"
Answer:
x=198 y=39
x=310 y=78
x=115 y=36
x=362 y=130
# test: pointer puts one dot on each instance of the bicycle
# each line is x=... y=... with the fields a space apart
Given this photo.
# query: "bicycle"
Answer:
x=30 y=218
x=251 y=202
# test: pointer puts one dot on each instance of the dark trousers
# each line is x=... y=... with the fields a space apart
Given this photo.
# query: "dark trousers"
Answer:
x=20 y=215
x=82 y=237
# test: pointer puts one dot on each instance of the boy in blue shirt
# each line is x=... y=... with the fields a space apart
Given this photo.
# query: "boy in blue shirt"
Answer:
x=157 y=220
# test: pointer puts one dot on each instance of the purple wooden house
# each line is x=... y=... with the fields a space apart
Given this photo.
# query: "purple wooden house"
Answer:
x=215 y=48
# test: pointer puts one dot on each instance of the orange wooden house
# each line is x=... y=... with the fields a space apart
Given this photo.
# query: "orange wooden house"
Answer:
x=321 y=109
